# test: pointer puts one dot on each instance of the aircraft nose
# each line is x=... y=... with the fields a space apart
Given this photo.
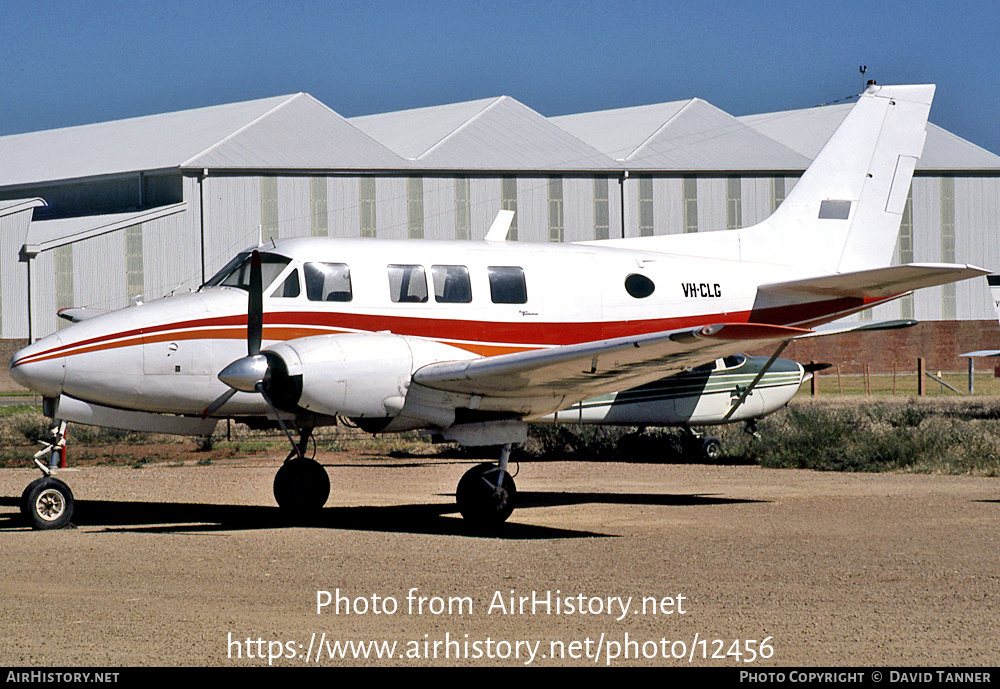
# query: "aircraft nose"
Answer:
x=40 y=366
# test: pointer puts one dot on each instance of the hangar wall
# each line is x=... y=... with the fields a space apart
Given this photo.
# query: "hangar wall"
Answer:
x=178 y=253
x=953 y=215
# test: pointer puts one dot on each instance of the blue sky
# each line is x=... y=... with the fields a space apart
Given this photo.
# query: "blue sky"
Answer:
x=68 y=63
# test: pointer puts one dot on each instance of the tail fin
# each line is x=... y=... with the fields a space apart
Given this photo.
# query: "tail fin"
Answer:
x=845 y=210
x=843 y=214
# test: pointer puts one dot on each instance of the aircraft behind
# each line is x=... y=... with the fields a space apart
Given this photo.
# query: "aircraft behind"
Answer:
x=993 y=281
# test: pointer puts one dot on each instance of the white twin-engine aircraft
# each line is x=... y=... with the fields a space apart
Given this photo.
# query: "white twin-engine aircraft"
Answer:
x=471 y=340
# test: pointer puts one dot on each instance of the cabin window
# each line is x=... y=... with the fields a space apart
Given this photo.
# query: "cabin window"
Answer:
x=507 y=285
x=328 y=282
x=236 y=273
x=733 y=361
x=639 y=286
x=290 y=287
x=451 y=284
x=407 y=284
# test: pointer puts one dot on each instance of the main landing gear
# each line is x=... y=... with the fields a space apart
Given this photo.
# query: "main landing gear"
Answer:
x=301 y=486
x=700 y=447
x=486 y=494
x=47 y=502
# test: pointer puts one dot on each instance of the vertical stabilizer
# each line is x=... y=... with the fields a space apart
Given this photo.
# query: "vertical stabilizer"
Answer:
x=844 y=212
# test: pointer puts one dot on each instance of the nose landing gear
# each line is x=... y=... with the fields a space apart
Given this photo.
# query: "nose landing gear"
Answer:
x=47 y=502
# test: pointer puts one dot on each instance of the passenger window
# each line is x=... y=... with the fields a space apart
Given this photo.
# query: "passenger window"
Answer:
x=290 y=287
x=507 y=285
x=407 y=284
x=451 y=284
x=328 y=282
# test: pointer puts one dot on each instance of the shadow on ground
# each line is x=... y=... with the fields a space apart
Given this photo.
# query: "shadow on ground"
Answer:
x=438 y=519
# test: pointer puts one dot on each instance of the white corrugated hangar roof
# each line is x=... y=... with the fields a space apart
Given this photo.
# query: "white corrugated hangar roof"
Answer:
x=288 y=132
x=807 y=130
x=489 y=134
x=689 y=135
x=297 y=132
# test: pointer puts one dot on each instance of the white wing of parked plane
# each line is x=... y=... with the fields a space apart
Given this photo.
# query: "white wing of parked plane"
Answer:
x=590 y=368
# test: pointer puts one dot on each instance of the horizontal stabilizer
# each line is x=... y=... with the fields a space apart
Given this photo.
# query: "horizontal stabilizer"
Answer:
x=983 y=353
x=880 y=283
x=861 y=327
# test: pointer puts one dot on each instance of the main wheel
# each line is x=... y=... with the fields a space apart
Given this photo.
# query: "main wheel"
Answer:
x=711 y=449
x=479 y=501
x=47 y=503
x=301 y=486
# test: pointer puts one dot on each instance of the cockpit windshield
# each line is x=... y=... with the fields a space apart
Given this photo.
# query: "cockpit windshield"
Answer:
x=236 y=273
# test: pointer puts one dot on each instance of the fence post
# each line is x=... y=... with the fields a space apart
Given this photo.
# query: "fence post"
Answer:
x=814 y=383
x=920 y=375
x=972 y=375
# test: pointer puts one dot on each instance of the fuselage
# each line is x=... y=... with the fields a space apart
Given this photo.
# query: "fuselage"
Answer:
x=474 y=298
x=703 y=396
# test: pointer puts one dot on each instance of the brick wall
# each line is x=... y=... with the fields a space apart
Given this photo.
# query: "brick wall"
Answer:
x=938 y=342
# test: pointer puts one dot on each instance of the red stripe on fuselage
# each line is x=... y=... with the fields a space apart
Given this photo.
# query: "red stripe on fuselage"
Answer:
x=481 y=337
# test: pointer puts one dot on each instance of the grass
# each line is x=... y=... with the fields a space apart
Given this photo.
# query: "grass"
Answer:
x=935 y=434
x=903 y=384
x=952 y=436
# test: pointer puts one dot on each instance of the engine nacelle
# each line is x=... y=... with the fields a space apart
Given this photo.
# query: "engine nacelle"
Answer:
x=358 y=375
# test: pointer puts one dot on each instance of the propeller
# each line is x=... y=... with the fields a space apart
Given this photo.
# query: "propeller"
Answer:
x=252 y=372
x=247 y=374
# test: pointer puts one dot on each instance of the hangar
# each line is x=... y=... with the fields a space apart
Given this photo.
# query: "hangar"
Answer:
x=108 y=214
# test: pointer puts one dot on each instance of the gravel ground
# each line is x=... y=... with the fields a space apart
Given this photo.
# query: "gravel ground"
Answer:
x=192 y=565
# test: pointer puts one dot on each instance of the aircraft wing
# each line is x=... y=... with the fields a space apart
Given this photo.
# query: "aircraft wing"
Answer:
x=574 y=372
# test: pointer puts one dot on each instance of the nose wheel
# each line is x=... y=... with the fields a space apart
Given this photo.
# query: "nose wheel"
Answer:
x=47 y=503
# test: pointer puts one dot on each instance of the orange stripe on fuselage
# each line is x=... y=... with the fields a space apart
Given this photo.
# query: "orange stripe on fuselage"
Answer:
x=485 y=338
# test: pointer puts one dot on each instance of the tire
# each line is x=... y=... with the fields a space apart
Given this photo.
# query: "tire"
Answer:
x=477 y=498
x=48 y=503
x=25 y=504
x=301 y=487
x=711 y=449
